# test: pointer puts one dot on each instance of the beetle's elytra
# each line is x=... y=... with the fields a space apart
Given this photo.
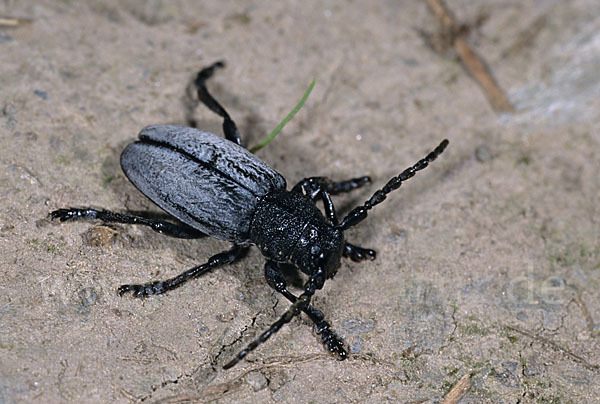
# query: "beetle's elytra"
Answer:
x=214 y=187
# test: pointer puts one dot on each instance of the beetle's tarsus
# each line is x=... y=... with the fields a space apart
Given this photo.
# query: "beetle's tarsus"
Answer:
x=312 y=186
x=145 y=290
x=357 y=254
x=64 y=215
x=322 y=188
x=331 y=340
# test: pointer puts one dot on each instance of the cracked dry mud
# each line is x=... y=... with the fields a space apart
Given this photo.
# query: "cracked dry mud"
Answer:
x=488 y=262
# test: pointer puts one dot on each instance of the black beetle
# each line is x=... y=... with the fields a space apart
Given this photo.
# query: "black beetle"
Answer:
x=215 y=187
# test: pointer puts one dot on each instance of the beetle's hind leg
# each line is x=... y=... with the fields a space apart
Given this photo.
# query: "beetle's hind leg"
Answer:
x=229 y=127
x=158 y=287
x=161 y=226
x=329 y=338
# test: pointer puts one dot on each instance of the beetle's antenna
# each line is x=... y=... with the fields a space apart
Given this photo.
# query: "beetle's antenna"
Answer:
x=359 y=213
x=292 y=312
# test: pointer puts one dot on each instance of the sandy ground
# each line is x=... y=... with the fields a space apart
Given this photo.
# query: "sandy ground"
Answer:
x=488 y=262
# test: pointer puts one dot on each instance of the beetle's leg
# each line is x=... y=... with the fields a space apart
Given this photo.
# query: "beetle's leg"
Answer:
x=160 y=226
x=357 y=254
x=157 y=287
x=329 y=338
x=313 y=185
x=229 y=127
x=322 y=188
x=359 y=213
x=316 y=281
x=329 y=208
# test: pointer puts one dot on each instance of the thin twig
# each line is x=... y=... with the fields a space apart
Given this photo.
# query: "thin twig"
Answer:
x=458 y=390
x=573 y=356
x=586 y=313
x=526 y=37
x=472 y=62
x=13 y=22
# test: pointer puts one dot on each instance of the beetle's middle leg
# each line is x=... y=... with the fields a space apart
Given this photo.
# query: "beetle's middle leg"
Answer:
x=161 y=226
x=157 y=287
x=329 y=338
x=229 y=127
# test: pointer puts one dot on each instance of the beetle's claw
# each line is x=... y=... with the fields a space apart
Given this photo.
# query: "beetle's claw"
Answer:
x=367 y=253
x=336 y=347
x=358 y=254
x=341 y=353
x=126 y=288
x=138 y=290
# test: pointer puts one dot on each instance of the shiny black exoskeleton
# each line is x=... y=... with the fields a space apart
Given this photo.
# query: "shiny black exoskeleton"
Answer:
x=288 y=227
x=216 y=187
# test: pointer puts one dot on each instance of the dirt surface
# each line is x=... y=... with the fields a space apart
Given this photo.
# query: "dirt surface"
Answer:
x=488 y=261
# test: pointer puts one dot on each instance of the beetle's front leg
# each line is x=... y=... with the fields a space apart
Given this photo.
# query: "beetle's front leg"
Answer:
x=315 y=282
x=329 y=338
x=321 y=187
x=157 y=287
x=312 y=186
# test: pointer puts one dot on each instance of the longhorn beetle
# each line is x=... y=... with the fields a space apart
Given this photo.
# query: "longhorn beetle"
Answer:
x=215 y=187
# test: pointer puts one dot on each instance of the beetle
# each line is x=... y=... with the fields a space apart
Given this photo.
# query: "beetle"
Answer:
x=215 y=187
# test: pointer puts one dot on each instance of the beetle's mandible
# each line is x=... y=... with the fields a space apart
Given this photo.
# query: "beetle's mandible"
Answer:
x=214 y=187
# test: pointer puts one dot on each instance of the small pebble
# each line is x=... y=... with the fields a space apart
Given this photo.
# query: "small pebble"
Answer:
x=482 y=153
x=100 y=236
x=41 y=94
x=88 y=296
x=5 y=38
x=257 y=380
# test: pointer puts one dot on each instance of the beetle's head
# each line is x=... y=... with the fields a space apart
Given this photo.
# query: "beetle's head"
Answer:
x=320 y=246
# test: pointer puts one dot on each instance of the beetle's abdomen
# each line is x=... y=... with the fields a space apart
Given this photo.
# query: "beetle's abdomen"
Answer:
x=201 y=179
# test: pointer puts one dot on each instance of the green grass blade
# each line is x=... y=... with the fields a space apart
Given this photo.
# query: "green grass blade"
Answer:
x=269 y=138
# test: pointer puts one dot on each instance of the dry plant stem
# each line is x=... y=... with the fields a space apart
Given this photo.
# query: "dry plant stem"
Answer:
x=586 y=313
x=548 y=342
x=13 y=22
x=472 y=62
x=458 y=390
